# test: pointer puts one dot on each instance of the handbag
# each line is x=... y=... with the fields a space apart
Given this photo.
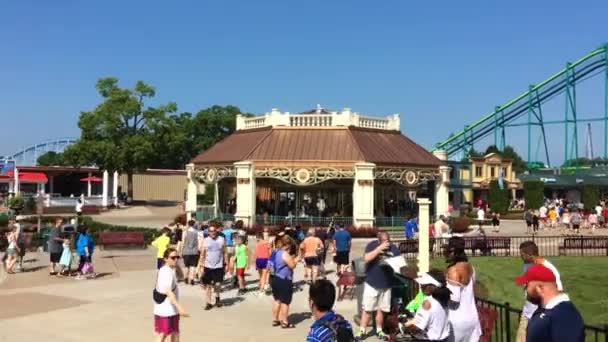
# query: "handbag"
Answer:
x=158 y=297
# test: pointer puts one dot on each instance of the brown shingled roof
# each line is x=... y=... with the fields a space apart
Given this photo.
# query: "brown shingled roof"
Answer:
x=351 y=144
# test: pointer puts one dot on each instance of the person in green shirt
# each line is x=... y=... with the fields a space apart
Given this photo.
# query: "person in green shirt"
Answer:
x=241 y=262
x=162 y=243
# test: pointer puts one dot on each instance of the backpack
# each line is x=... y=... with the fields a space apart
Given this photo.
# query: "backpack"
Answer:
x=341 y=330
x=575 y=219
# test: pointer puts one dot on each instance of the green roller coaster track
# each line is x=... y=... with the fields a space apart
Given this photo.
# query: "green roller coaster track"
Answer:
x=530 y=103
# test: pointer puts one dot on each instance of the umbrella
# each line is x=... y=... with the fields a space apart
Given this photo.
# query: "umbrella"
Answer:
x=92 y=179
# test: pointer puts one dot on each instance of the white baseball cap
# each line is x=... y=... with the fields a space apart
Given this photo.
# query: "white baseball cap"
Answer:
x=19 y=217
x=427 y=279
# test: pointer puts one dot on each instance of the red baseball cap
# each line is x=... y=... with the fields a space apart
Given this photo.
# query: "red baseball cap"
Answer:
x=536 y=273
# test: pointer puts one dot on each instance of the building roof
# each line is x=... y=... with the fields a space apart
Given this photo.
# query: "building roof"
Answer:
x=341 y=144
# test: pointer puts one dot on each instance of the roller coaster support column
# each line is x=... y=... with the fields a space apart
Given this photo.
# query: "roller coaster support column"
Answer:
x=606 y=104
x=441 y=185
x=571 y=108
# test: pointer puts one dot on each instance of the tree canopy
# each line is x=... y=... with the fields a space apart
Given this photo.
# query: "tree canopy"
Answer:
x=124 y=133
x=51 y=158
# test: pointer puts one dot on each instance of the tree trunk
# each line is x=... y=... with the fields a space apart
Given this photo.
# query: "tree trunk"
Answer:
x=130 y=185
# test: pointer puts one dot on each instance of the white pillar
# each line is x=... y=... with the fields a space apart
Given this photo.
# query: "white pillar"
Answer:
x=363 y=195
x=115 y=188
x=442 y=198
x=191 y=192
x=423 y=235
x=216 y=199
x=104 y=190
x=89 y=186
x=16 y=185
x=245 y=193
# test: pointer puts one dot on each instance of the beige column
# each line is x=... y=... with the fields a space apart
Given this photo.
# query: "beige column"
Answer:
x=115 y=188
x=191 y=192
x=442 y=185
x=363 y=195
x=423 y=235
x=89 y=185
x=245 y=192
x=104 y=190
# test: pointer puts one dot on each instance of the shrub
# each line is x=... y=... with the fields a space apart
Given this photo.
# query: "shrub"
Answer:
x=591 y=196
x=95 y=228
x=498 y=199
x=17 y=202
x=534 y=194
x=460 y=224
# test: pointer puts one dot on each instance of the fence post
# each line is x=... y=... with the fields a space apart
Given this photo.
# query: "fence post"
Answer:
x=508 y=320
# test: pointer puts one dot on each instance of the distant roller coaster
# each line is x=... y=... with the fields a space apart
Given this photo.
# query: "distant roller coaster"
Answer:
x=526 y=110
x=29 y=155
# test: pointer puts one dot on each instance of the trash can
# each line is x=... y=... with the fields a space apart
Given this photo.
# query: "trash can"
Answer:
x=45 y=234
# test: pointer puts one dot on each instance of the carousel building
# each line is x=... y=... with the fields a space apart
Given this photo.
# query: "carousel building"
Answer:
x=318 y=164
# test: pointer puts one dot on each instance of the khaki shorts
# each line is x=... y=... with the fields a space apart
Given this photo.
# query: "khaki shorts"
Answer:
x=374 y=299
x=522 y=329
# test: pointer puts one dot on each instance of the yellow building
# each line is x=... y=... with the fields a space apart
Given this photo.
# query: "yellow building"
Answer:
x=470 y=180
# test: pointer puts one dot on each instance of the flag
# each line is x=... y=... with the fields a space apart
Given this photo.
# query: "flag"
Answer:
x=501 y=184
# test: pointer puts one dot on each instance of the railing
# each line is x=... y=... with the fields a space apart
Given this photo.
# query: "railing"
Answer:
x=501 y=246
x=206 y=216
x=255 y=122
x=507 y=319
x=302 y=220
x=368 y=122
x=310 y=120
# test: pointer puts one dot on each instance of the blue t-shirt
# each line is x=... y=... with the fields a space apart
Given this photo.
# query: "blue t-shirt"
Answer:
x=410 y=228
x=84 y=240
x=560 y=323
x=380 y=277
x=342 y=238
x=228 y=236
x=322 y=333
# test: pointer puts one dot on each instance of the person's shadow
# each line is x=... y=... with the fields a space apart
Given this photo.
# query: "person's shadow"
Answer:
x=299 y=317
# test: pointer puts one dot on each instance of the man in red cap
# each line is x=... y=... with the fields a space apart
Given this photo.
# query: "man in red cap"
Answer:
x=556 y=318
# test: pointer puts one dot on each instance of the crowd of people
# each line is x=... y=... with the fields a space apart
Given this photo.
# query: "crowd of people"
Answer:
x=559 y=215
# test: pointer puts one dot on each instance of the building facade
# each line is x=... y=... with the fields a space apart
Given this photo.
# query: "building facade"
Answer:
x=318 y=163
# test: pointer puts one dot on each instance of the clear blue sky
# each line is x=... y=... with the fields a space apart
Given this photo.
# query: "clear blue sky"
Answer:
x=441 y=65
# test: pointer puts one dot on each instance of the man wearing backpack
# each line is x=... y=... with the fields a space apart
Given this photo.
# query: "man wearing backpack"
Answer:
x=328 y=326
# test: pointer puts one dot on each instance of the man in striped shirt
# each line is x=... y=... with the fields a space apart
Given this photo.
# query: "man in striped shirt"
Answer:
x=328 y=326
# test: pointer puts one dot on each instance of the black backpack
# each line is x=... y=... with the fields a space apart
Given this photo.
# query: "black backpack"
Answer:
x=340 y=329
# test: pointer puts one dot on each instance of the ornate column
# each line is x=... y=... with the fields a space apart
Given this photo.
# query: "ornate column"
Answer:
x=423 y=235
x=115 y=188
x=89 y=185
x=363 y=195
x=191 y=192
x=16 y=185
x=442 y=185
x=245 y=192
x=104 y=191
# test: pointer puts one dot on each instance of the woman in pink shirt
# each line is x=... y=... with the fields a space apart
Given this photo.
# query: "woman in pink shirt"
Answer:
x=262 y=253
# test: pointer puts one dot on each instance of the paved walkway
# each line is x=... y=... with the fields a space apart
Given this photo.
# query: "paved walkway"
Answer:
x=118 y=305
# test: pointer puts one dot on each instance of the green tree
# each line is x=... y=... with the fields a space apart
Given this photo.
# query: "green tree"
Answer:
x=118 y=134
x=591 y=196
x=534 y=194
x=51 y=158
x=498 y=199
x=518 y=163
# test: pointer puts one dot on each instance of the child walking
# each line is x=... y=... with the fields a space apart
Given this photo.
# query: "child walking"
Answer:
x=262 y=253
x=66 y=259
x=241 y=262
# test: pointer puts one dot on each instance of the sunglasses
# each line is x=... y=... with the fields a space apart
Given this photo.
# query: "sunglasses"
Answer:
x=174 y=257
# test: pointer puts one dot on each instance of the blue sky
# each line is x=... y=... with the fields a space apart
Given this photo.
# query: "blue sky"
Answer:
x=441 y=65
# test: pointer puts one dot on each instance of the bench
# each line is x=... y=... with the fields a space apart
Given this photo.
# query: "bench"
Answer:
x=488 y=244
x=90 y=210
x=584 y=243
x=411 y=246
x=121 y=238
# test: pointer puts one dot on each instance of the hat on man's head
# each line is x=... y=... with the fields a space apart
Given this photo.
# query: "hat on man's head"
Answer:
x=427 y=279
x=536 y=272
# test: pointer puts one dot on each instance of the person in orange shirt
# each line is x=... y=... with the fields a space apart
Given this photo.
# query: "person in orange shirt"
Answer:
x=310 y=248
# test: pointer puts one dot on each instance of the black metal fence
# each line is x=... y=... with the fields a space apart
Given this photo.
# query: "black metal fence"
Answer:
x=501 y=321
x=565 y=245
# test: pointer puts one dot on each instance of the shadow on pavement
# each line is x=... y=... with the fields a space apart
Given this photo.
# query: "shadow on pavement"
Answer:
x=300 y=317
x=232 y=300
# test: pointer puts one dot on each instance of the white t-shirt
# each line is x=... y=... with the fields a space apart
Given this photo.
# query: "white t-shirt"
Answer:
x=434 y=322
x=598 y=210
x=480 y=214
x=529 y=308
x=79 y=206
x=543 y=211
x=166 y=280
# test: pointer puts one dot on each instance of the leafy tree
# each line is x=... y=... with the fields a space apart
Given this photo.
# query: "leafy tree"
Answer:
x=474 y=153
x=518 y=163
x=534 y=194
x=118 y=134
x=51 y=158
x=498 y=199
x=591 y=196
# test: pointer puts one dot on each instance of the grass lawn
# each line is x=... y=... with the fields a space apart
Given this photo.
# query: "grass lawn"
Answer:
x=585 y=280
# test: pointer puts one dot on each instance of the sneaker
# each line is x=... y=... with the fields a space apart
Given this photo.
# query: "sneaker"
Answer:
x=218 y=303
x=382 y=336
x=208 y=307
x=241 y=292
x=359 y=335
